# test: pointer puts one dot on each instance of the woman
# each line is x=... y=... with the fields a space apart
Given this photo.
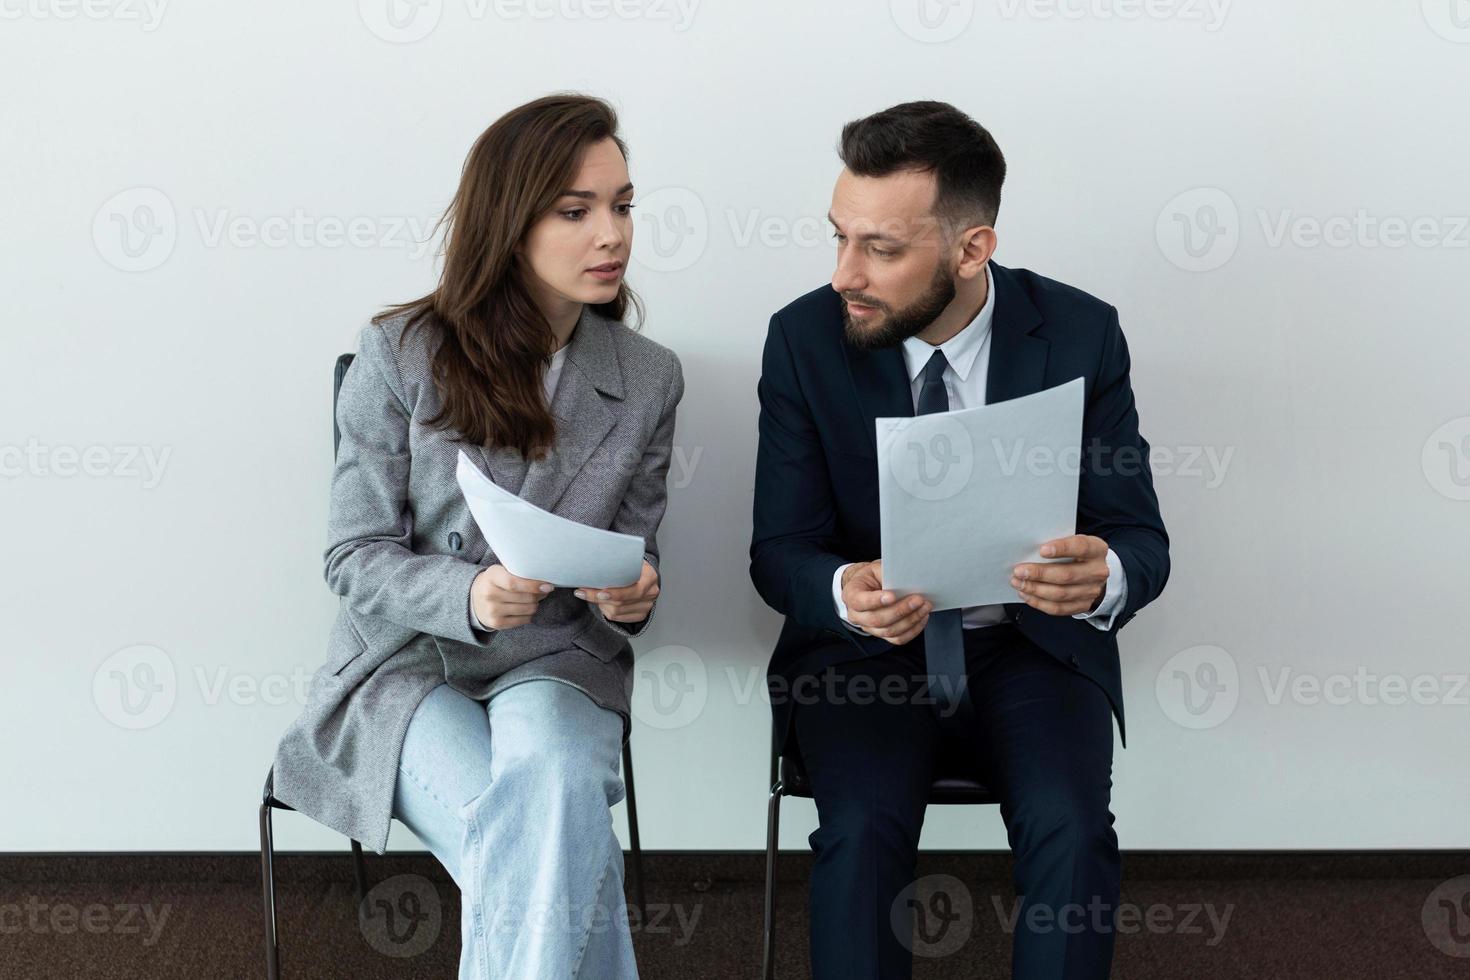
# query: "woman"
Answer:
x=486 y=711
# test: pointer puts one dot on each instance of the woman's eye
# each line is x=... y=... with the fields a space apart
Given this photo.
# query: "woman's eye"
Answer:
x=575 y=214
x=624 y=208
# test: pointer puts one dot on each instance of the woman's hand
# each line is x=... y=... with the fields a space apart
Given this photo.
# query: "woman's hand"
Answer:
x=503 y=601
x=628 y=604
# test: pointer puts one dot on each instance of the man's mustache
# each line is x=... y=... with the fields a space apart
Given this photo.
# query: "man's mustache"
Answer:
x=861 y=300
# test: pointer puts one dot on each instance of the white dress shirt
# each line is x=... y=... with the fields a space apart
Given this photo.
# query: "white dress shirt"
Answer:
x=548 y=382
x=553 y=373
x=968 y=357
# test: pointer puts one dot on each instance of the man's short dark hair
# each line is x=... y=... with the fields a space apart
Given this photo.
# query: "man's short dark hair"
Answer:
x=936 y=137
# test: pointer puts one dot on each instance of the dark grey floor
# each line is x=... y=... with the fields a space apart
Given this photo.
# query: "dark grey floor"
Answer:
x=199 y=917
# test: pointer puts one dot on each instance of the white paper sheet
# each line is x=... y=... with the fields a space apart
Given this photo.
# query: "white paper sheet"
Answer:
x=965 y=496
x=536 y=544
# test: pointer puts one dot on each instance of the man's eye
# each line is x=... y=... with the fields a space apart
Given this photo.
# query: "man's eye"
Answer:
x=882 y=254
x=839 y=236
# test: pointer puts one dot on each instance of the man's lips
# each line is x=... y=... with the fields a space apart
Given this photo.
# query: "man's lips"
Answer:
x=859 y=309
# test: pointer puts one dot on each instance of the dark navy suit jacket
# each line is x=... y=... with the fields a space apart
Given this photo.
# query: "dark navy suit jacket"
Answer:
x=816 y=484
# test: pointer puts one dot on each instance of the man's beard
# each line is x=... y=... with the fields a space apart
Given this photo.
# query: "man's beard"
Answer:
x=901 y=325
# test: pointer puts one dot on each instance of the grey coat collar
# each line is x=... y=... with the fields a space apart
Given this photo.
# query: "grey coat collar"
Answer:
x=582 y=420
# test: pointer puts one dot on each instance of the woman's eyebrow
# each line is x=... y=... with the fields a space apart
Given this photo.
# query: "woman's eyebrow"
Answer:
x=592 y=195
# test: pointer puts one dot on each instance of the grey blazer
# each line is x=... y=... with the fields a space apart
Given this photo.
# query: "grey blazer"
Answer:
x=402 y=550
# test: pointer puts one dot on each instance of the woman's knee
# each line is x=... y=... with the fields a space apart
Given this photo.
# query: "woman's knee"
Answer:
x=559 y=738
x=444 y=762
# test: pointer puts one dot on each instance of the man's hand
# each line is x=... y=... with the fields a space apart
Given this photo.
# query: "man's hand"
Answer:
x=504 y=601
x=629 y=603
x=878 y=612
x=1065 y=588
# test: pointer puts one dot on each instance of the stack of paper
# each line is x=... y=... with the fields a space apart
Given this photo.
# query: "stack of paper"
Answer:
x=537 y=544
x=965 y=496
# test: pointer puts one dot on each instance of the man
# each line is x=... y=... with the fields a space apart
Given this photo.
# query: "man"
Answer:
x=918 y=318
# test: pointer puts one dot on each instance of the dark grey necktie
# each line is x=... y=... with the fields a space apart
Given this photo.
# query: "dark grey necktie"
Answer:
x=944 y=641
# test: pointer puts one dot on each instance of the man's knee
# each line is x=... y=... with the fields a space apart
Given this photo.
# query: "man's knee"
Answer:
x=858 y=827
x=1056 y=824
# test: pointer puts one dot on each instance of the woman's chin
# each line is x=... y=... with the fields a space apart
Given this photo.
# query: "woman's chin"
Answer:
x=601 y=292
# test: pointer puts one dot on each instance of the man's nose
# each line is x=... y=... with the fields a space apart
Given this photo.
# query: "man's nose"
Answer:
x=847 y=276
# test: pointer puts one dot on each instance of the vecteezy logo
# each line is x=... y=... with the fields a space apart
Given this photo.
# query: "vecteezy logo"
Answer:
x=400 y=21
x=1450 y=19
x=135 y=687
x=932 y=21
x=941 y=449
x=671 y=229
x=401 y=916
x=1198 y=687
x=670 y=687
x=1446 y=917
x=933 y=466
x=1446 y=459
x=933 y=916
x=135 y=230
x=1199 y=230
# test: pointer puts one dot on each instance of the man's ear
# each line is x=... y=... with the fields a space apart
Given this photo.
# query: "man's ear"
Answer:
x=977 y=245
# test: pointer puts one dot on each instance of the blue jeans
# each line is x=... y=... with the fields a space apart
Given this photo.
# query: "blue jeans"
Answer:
x=512 y=797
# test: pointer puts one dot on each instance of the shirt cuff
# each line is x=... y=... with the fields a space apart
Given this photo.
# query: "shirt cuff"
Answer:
x=837 y=598
x=1115 y=595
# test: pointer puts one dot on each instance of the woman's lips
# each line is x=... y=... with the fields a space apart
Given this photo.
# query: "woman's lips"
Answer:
x=607 y=272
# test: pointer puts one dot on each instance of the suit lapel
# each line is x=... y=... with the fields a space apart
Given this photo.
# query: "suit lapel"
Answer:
x=582 y=420
x=882 y=384
x=1017 y=359
x=505 y=467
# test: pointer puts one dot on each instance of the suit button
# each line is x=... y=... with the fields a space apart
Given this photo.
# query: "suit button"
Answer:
x=455 y=541
x=1075 y=661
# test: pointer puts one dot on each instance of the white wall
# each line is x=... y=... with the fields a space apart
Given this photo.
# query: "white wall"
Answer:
x=1326 y=540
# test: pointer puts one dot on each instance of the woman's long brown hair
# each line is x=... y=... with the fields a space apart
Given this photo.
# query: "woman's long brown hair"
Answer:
x=495 y=339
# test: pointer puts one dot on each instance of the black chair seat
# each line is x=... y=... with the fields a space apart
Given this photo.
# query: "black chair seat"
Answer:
x=953 y=783
x=960 y=790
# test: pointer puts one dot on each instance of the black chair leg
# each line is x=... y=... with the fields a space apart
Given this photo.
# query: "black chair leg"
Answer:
x=268 y=889
x=359 y=872
x=634 y=845
x=773 y=827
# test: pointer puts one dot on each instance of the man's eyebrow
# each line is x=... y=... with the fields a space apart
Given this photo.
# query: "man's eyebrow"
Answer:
x=592 y=195
x=868 y=236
